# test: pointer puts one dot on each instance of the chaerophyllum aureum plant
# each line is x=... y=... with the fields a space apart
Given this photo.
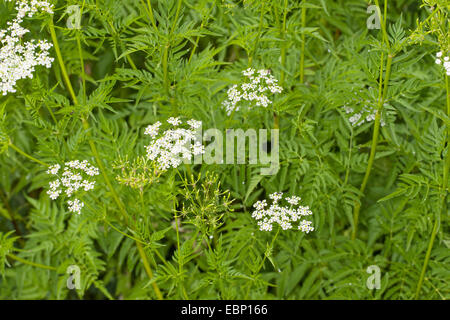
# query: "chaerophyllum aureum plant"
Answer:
x=116 y=160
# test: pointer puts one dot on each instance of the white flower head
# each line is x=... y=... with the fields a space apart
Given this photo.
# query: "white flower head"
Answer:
x=53 y=169
x=253 y=91
x=76 y=176
x=285 y=216
x=194 y=124
x=153 y=129
x=445 y=62
x=18 y=58
x=75 y=206
x=305 y=226
x=260 y=205
x=366 y=113
x=276 y=196
x=294 y=200
x=174 y=121
x=169 y=148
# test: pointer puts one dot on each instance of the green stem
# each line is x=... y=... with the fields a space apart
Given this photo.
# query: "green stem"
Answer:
x=302 y=50
x=104 y=174
x=137 y=240
x=381 y=98
x=180 y=259
x=204 y=22
x=276 y=115
x=383 y=21
x=264 y=260
x=347 y=171
x=96 y=155
x=123 y=233
x=51 y=114
x=165 y=68
x=150 y=13
x=443 y=200
x=149 y=270
x=83 y=73
x=276 y=121
x=283 y=48
x=373 y=148
x=177 y=14
x=165 y=57
x=34 y=264
x=27 y=155
x=255 y=47
x=61 y=61
x=12 y=214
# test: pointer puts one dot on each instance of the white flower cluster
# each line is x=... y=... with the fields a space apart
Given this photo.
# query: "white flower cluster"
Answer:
x=76 y=175
x=253 y=91
x=284 y=216
x=446 y=63
x=367 y=114
x=174 y=145
x=18 y=58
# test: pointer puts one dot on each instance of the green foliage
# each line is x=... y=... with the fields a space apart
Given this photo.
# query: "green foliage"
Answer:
x=139 y=62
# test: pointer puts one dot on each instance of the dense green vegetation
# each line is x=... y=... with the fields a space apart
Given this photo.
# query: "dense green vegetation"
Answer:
x=363 y=115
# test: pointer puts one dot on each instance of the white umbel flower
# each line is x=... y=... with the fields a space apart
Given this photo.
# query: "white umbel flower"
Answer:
x=294 y=200
x=18 y=58
x=367 y=114
x=76 y=176
x=174 y=121
x=194 y=124
x=75 y=206
x=53 y=169
x=254 y=90
x=284 y=216
x=305 y=226
x=171 y=147
x=152 y=130
x=445 y=62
